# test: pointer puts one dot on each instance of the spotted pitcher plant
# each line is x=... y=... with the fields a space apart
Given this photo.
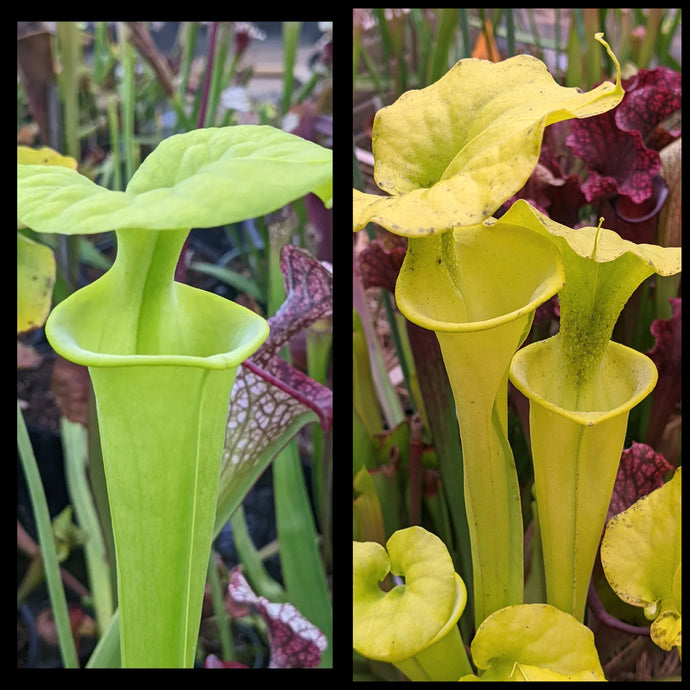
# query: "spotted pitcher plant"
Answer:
x=162 y=355
x=448 y=156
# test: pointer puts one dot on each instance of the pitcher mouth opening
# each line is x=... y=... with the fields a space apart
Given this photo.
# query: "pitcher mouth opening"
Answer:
x=232 y=333
x=477 y=278
x=413 y=313
x=641 y=378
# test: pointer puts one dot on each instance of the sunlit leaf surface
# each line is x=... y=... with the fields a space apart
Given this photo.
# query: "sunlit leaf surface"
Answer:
x=203 y=178
x=535 y=642
x=450 y=154
x=648 y=534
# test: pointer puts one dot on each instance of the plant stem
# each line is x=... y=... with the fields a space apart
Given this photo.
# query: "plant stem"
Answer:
x=222 y=620
x=74 y=441
x=291 y=33
x=56 y=592
x=201 y=121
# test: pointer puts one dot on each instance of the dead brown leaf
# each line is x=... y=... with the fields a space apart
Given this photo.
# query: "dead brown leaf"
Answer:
x=70 y=386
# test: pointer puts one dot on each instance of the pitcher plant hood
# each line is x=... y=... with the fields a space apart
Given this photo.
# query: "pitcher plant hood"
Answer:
x=395 y=625
x=450 y=154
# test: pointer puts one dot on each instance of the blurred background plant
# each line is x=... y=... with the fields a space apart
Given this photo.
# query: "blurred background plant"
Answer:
x=104 y=94
x=624 y=166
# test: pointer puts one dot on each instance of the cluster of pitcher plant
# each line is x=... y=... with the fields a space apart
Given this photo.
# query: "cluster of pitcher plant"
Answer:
x=476 y=168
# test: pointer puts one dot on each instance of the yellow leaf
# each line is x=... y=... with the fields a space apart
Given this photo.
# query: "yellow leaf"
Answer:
x=44 y=156
x=648 y=535
x=395 y=625
x=535 y=642
x=450 y=154
x=35 y=280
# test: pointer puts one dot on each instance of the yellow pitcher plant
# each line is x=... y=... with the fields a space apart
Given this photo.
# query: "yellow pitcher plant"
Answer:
x=414 y=625
x=448 y=156
x=649 y=532
x=581 y=387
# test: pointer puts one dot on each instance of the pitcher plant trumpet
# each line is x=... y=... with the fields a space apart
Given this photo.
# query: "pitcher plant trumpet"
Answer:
x=163 y=355
x=581 y=386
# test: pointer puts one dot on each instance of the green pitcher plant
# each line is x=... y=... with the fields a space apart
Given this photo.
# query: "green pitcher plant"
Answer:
x=162 y=355
x=581 y=386
x=447 y=163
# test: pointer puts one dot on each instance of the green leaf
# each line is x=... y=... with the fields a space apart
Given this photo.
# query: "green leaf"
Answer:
x=45 y=536
x=75 y=450
x=648 y=534
x=236 y=280
x=203 y=178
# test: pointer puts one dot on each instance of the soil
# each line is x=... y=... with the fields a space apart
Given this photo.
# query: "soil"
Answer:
x=23 y=641
x=34 y=393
